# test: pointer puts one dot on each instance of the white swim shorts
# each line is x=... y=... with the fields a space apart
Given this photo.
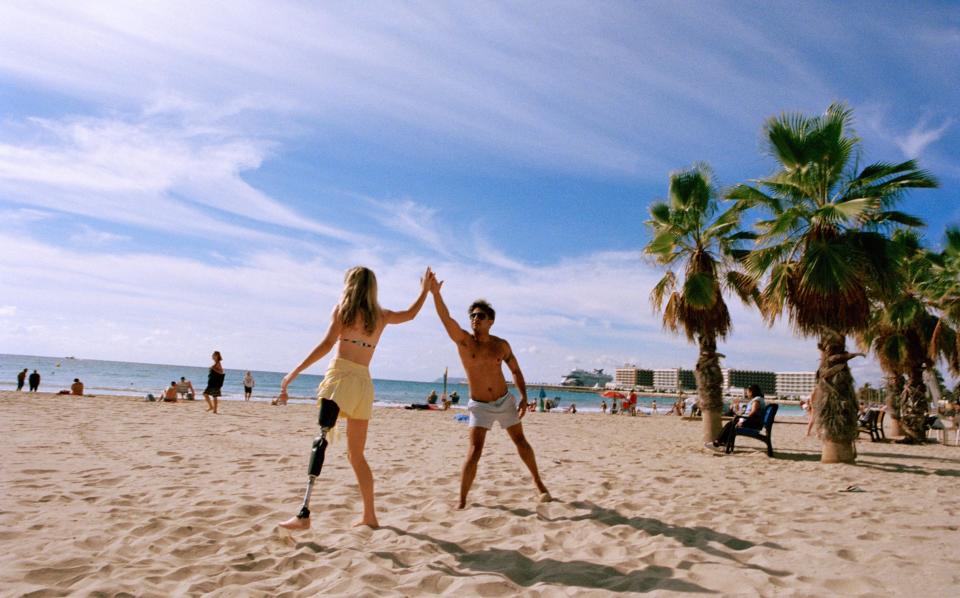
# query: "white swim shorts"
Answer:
x=503 y=410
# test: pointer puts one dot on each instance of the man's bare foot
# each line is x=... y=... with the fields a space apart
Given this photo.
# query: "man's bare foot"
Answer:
x=545 y=497
x=462 y=505
x=296 y=523
x=371 y=523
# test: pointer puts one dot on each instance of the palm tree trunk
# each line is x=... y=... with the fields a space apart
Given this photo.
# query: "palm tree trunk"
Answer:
x=709 y=386
x=913 y=407
x=837 y=411
x=893 y=388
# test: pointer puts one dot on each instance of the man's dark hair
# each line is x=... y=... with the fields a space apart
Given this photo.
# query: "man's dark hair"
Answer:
x=483 y=306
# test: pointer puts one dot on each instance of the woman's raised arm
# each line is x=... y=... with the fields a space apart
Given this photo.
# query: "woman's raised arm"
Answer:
x=399 y=317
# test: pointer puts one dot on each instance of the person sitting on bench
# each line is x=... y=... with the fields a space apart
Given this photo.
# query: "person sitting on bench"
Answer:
x=752 y=419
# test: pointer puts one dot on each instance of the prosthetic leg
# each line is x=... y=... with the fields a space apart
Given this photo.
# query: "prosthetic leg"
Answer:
x=329 y=411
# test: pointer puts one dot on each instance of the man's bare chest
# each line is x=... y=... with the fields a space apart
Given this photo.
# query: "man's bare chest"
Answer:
x=476 y=353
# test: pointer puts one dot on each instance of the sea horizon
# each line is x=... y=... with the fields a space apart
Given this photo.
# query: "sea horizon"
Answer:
x=130 y=378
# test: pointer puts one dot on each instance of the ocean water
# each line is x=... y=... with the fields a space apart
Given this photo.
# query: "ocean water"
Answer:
x=138 y=379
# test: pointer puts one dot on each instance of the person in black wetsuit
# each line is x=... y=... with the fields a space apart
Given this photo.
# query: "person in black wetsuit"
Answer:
x=34 y=381
x=214 y=383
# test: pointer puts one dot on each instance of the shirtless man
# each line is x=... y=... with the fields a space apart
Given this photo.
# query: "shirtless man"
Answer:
x=483 y=356
x=170 y=395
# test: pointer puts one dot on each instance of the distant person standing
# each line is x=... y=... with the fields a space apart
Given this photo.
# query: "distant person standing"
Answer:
x=34 y=381
x=248 y=384
x=21 y=379
x=215 y=379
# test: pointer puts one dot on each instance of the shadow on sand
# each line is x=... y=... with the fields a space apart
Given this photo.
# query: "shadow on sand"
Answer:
x=526 y=572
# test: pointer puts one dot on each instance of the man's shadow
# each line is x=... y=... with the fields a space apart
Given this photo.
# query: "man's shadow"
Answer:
x=526 y=572
x=699 y=537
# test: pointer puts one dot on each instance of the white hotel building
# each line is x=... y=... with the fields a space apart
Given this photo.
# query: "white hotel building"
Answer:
x=795 y=384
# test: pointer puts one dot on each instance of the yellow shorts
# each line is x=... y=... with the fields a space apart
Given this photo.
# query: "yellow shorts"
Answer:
x=348 y=384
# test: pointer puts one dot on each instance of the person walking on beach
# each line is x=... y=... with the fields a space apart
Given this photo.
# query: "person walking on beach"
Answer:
x=248 y=384
x=215 y=378
x=34 y=381
x=483 y=356
x=346 y=391
x=21 y=378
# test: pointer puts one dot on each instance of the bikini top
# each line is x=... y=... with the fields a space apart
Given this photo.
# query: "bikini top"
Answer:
x=358 y=342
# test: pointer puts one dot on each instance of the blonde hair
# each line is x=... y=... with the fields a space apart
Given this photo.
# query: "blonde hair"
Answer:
x=359 y=299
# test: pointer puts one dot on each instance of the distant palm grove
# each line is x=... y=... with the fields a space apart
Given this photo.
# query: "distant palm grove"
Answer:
x=827 y=246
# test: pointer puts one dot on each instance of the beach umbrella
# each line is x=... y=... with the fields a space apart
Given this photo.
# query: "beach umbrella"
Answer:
x=612 y=394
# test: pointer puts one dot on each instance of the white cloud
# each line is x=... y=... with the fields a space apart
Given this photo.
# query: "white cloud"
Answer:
x=268 y=309
x=916 y=141
x=168 y=176
x=412 y=220
x=90 y=236
x=494 y=77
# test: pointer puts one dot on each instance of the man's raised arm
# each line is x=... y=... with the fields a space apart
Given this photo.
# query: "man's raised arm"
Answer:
x=456 y=333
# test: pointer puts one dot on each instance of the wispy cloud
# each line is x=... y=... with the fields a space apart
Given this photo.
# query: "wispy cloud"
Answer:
x=87 y=235
x=159 y=175
x=917 y=139
x=414 y=221
x=491 y=77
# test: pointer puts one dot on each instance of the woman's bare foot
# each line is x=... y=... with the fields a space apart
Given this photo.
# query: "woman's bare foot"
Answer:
x=545 y=497
x=371 y=523
x=296 y=523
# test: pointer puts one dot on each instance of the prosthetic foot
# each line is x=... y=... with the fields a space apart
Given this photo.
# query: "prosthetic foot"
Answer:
x=329 y=411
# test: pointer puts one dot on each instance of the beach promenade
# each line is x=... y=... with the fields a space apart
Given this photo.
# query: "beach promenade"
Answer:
x=112 y=495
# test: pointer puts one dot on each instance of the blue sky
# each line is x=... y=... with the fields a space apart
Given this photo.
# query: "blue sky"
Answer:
x=177 y=177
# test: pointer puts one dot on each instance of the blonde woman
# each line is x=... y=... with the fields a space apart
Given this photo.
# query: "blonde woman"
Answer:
x=356 y=324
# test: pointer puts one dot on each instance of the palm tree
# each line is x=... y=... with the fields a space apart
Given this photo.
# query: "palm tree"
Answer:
x=906 y=333
x=690 y=234
x=822 y=253
x=944 y=291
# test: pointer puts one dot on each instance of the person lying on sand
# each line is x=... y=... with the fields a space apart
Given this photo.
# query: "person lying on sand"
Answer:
x=483 y=356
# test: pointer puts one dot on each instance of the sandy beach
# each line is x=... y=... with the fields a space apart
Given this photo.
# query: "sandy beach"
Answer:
x=114 y=495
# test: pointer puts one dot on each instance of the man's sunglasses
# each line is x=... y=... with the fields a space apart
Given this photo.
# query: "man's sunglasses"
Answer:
x=478 y=315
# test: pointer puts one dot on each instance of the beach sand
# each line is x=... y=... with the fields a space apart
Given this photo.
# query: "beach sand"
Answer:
x=114 y=495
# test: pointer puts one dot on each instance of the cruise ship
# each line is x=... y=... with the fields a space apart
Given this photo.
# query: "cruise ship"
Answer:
x=585 y=378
